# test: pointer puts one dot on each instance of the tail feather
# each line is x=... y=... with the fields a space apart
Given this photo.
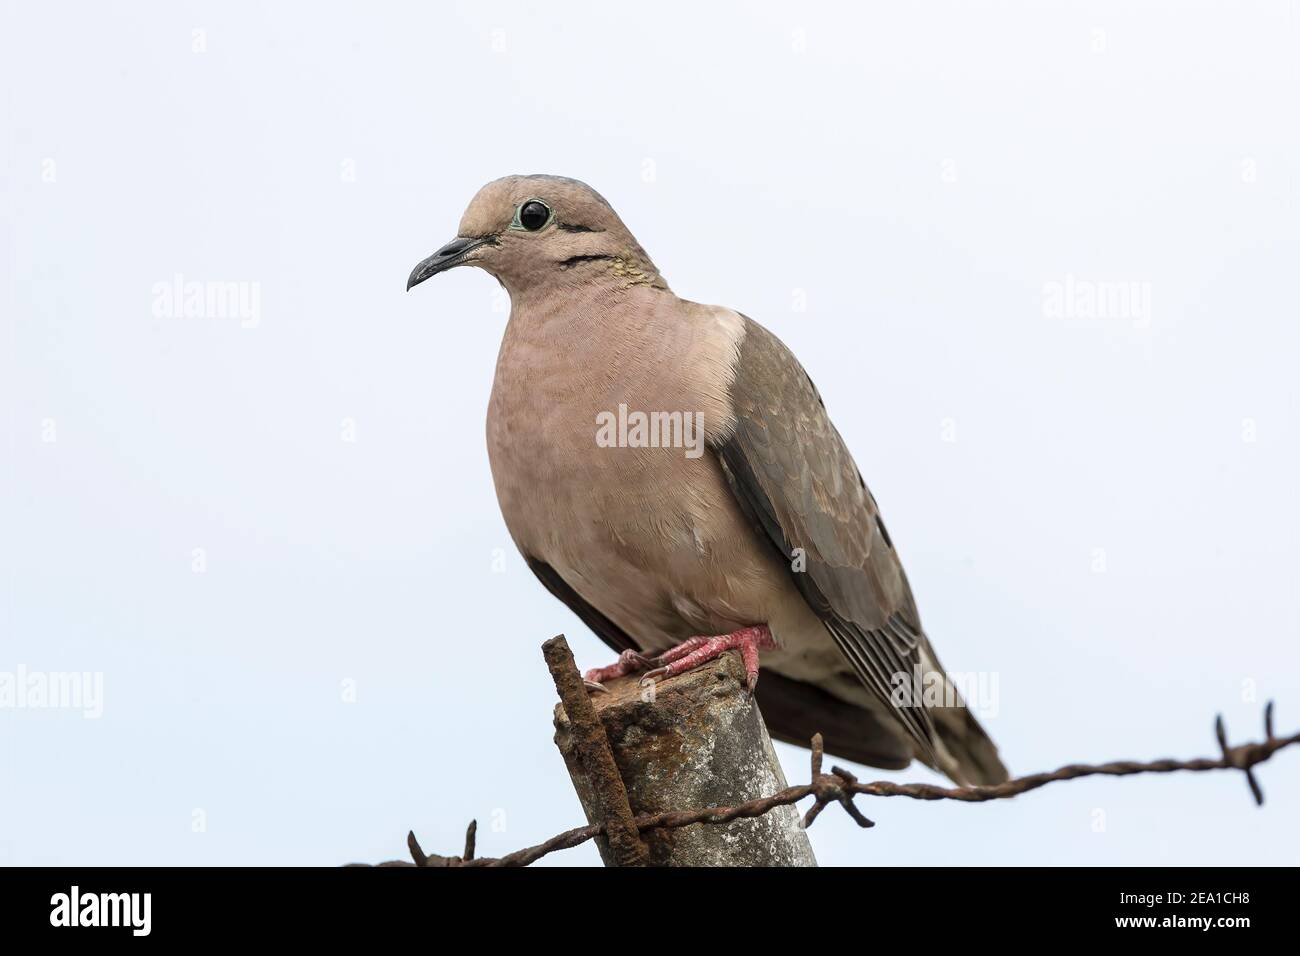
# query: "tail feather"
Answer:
x=972 y=757
x=966 y=752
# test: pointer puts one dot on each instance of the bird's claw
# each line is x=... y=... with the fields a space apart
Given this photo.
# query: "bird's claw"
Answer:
x=649 y=678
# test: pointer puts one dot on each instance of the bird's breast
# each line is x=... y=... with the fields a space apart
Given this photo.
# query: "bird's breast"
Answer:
x=598 y=446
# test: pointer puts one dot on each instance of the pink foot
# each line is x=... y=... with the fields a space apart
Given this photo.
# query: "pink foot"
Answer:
x=629 y=662
x=692 y=653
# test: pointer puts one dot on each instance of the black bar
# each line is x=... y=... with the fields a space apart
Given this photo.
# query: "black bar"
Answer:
x=965 y=906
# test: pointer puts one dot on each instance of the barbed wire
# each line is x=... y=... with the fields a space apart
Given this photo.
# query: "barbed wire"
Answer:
x=840 y=786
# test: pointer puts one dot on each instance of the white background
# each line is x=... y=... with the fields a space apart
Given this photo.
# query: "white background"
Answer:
x=912 y=175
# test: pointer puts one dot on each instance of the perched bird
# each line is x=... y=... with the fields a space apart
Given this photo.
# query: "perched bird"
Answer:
x=668 y=470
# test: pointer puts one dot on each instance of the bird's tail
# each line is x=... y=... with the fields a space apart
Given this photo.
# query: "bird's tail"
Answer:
x=964 y=751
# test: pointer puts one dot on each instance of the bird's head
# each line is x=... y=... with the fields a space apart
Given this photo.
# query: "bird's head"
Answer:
x=532 y=231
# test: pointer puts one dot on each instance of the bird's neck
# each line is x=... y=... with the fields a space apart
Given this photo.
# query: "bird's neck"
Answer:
x=590 y=328
x=589 y=298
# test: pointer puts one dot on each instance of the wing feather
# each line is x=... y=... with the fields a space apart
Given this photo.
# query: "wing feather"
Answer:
x=793 y=475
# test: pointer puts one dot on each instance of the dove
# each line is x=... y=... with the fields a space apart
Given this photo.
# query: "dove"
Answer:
x=669 y=471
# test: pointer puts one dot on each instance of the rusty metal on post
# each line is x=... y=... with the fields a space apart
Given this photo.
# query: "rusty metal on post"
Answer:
x=597 y=760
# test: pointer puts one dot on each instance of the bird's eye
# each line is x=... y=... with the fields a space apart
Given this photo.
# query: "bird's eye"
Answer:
x=533 y=214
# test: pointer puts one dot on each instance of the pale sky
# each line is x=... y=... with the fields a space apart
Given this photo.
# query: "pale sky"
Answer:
x=272 y=532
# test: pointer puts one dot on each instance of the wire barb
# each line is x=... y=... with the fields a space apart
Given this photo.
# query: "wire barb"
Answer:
x=470 y=832
x=417 y=854
x=1239 y=757
x=833 y=787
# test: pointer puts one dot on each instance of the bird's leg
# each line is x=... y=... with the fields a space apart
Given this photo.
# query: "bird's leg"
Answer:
x=696 y=651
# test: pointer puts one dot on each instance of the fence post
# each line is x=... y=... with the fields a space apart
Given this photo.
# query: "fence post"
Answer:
x=696 y=740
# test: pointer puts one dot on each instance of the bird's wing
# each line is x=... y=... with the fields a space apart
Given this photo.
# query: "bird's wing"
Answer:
x=793 y=710
x=794 y=477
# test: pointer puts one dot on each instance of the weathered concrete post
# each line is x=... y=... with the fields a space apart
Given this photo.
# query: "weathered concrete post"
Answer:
x=697 y=741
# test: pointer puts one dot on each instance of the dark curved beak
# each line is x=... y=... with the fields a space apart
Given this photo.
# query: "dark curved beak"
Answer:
x=450 y=255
